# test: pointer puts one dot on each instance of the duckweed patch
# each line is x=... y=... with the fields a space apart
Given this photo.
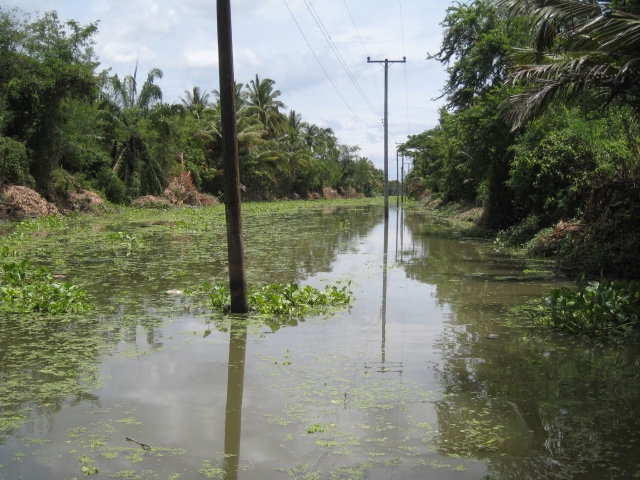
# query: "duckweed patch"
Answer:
x=209 y=471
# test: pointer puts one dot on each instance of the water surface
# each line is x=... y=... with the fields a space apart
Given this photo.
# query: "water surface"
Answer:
x=406 y=384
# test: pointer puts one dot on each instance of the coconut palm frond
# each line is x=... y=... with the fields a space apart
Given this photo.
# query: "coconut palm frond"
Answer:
x=579 y=50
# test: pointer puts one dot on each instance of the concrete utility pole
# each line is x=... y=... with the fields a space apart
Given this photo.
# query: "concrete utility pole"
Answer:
x=386 y=127
x=233 y=212
x=402 y=188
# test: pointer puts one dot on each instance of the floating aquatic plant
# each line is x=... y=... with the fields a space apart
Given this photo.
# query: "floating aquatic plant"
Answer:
x=280 y=299
x=24 y=289
x=595 y=308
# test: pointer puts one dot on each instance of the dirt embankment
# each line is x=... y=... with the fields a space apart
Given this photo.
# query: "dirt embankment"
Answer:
x=18 y=201
x=22 y=202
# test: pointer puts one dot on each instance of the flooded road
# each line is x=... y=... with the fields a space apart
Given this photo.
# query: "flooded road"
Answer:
x=410 y=382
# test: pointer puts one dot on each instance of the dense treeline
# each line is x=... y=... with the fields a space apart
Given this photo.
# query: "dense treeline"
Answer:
x=65 y=124
x=541 y=126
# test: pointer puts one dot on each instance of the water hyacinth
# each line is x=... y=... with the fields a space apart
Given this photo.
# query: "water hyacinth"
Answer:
x=595 y=308
x=280 y=299
x=24 y=289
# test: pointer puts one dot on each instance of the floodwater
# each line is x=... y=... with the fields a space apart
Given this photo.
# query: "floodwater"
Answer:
x=406 y=384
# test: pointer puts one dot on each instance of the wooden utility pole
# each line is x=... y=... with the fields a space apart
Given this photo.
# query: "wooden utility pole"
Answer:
x=231 y=165
x=386 y=127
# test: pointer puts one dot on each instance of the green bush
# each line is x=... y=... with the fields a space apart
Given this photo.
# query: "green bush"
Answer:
x=114 y=189
x=14 y=163
x=521 y=233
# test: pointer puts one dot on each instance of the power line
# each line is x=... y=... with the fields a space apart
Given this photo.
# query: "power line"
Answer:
x=365 y=50
x=333 y=47
x=322 y=67
x=406 y=87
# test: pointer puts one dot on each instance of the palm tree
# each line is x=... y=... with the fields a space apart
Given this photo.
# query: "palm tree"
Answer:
x=581 y=50
x=195 y=103
x=125 y=110
x=241 y=96
x=261 y=99
x=123 y=94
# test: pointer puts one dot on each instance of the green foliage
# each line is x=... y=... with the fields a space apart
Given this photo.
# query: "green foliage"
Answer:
x=559 y=160
x=475 y=46
x=280 y=299
x=596 y=309
x=521 y=233
x=114 y=189
x=14 y=163
x=24 y=289
x=579 y=51
x=293 y=300
x=42 y=62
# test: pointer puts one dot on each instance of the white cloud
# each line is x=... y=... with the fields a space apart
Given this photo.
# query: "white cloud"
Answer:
x=200 y=58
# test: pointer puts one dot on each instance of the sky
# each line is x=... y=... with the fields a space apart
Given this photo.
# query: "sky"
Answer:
x=293 y=42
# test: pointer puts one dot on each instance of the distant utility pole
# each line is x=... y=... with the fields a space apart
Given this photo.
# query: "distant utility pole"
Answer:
x=233 y=212
x=386 y=127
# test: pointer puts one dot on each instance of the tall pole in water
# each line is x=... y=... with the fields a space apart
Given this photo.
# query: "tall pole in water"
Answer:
x=386 y=127
x=235 y=247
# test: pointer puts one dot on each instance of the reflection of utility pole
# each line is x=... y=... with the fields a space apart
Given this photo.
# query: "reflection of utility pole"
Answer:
x=384 y=365
x=235 y=387
x=401 y=235
x=397 y=219
x=386 y=127
x=384 y=287
x=233 y=213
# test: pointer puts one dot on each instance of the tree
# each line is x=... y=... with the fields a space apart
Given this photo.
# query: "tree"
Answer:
x=261 y=99
x=195 y=103
x=130 y=129
x=477 y=41
x=475 y=48
x=42 y=63
x=580 y=51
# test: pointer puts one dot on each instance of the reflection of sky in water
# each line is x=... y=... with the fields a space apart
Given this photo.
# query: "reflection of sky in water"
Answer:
x=327 y=372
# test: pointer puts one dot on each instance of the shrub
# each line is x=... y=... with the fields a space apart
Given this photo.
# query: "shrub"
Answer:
x=14 y=163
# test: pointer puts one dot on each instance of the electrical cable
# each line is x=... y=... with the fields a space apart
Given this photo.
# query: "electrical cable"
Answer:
x=365 y=52
x=406 y=87
x=341 y=60
x=322 y=67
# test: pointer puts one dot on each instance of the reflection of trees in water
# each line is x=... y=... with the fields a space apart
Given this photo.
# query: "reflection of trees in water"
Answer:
x=531 y=404
x=43 y=366
x=463 y=272
x=569 y=410
x=304 y=243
